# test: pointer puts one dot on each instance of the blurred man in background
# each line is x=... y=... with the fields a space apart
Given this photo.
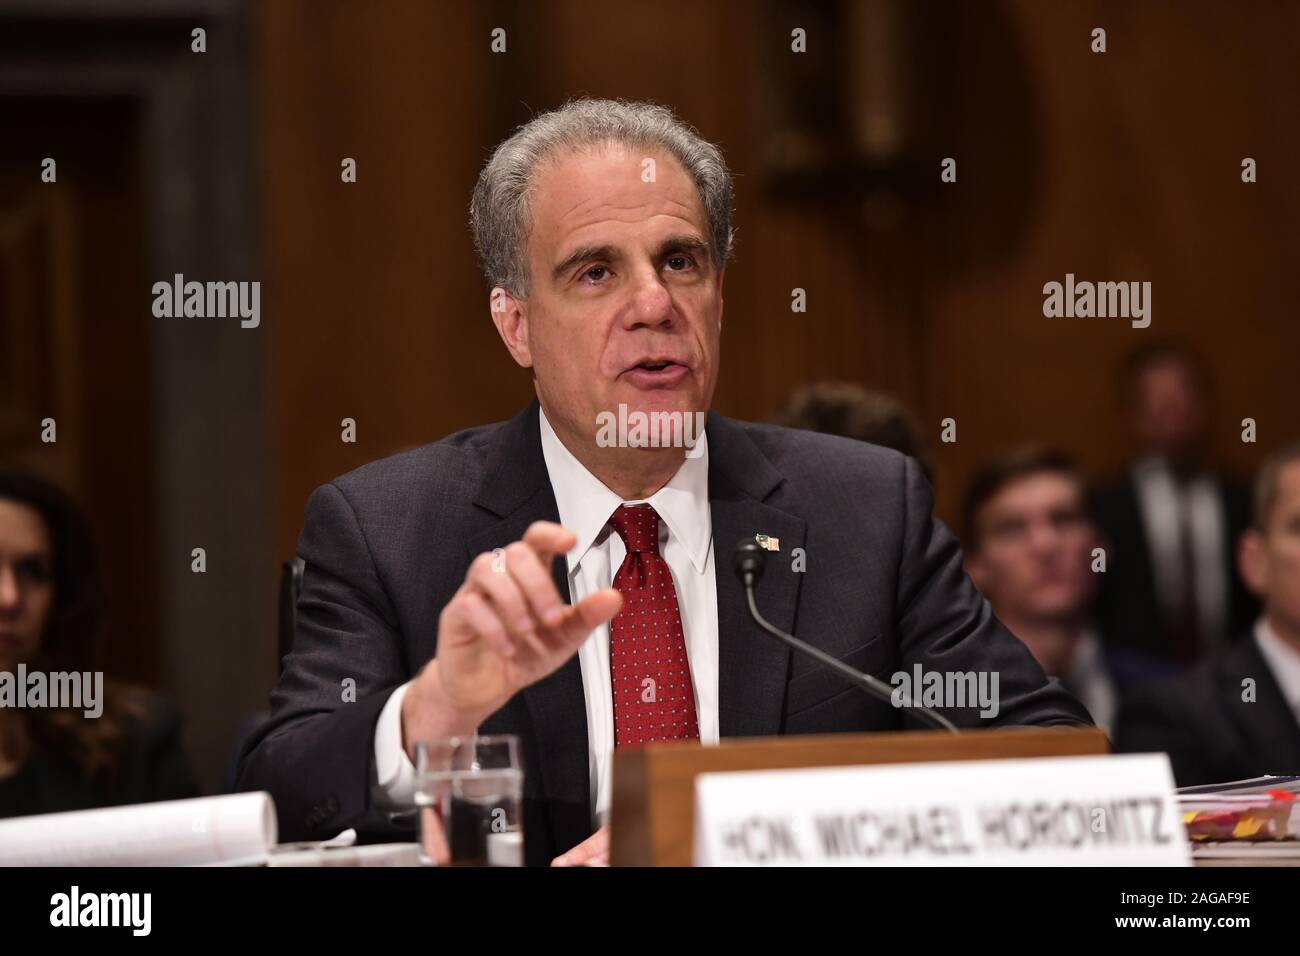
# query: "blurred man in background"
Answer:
x=843 y=408
x=1170 y=524
x=1238 y=714
x=1029 y=544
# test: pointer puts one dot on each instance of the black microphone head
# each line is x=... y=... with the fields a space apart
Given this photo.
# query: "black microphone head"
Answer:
x=750 y=559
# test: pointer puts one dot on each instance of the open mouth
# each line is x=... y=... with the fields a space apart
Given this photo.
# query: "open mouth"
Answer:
x=656 y=373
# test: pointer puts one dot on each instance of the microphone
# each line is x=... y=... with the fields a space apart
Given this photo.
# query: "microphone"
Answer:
x=749 y=562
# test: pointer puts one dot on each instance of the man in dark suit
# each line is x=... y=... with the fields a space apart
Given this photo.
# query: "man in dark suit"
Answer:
x=432 y=578
x=1237 y=715
x=1171 y=591
x=1029 y=549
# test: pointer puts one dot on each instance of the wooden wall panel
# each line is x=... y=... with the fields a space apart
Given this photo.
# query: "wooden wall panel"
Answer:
x=1116 y=166
x=1140 y=150
x=74 y=254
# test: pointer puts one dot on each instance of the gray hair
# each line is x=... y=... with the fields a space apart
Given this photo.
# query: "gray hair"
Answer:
x=499 y=209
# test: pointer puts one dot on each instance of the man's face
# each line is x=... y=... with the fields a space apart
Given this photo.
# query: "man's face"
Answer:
x=26 y=583
x=1270 y=560
x=1033 y=559
x=1170 y=411
x=624 y=304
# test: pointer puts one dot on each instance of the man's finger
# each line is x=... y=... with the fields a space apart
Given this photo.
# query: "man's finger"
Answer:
x=593 y=851
x=508 y=601
x=535 y=583
x=549 y=539
x=588 y=614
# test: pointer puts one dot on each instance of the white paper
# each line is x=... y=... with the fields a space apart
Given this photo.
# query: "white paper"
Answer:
x=174 y=833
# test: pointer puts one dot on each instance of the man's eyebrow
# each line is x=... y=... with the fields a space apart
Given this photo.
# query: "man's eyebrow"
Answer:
x=681 y=243
x=582 y=254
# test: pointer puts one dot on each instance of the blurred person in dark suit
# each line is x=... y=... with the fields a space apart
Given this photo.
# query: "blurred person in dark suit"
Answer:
x=58 y=758
x=1029 y=543
x=509 y=578
x=1237 y=715
x=843 y=408
x=1170 y=525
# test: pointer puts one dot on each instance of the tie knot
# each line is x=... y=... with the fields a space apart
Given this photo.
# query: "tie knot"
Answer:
x=638 y=527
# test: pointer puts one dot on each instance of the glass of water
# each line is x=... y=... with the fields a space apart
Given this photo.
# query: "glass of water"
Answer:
x=469 y=796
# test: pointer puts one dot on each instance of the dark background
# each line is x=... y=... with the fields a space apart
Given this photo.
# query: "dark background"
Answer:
x=1123 y=166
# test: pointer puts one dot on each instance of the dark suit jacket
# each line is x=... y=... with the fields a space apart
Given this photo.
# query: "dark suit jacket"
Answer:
x=1209 y=732
x=387 y=546
x=153 y=767
x=1129 y=613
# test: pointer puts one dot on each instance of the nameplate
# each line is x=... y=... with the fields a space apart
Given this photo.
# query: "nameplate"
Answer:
x=1045 y=811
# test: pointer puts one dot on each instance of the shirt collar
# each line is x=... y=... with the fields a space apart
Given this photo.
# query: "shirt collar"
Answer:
x=1154 y=472
x=585 y=503
x=1282 y=659
x=1088 y=659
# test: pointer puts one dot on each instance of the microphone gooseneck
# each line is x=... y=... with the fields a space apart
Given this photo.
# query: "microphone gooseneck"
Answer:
x=749 y=562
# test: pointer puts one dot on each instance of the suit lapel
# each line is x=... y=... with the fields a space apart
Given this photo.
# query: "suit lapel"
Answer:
x=1134 y=521
x=1268 y=722
x=517 y=490
x=753 y=667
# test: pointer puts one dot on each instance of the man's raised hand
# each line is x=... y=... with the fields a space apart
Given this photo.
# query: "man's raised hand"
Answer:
x=505 y=628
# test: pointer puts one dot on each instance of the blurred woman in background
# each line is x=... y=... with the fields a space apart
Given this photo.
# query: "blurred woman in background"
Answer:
x=57 y=758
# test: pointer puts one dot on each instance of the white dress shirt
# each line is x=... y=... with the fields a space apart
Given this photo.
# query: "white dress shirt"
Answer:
x=585 y=505
x=1161 y=502
x=1283 y=660
x=1090 y=680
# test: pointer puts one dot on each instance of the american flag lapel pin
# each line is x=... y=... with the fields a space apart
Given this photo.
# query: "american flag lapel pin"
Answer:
x=767 y=542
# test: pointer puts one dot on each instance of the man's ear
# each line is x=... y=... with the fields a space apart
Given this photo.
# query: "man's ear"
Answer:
x=721 y=302
x=1252 y=558
x=510 y=316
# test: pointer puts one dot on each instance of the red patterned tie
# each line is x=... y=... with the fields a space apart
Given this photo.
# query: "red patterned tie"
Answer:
x=653 y=698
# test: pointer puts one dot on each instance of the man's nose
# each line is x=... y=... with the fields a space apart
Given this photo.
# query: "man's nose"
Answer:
x=1043 y=537
x=651 y=305
x=10 y=593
